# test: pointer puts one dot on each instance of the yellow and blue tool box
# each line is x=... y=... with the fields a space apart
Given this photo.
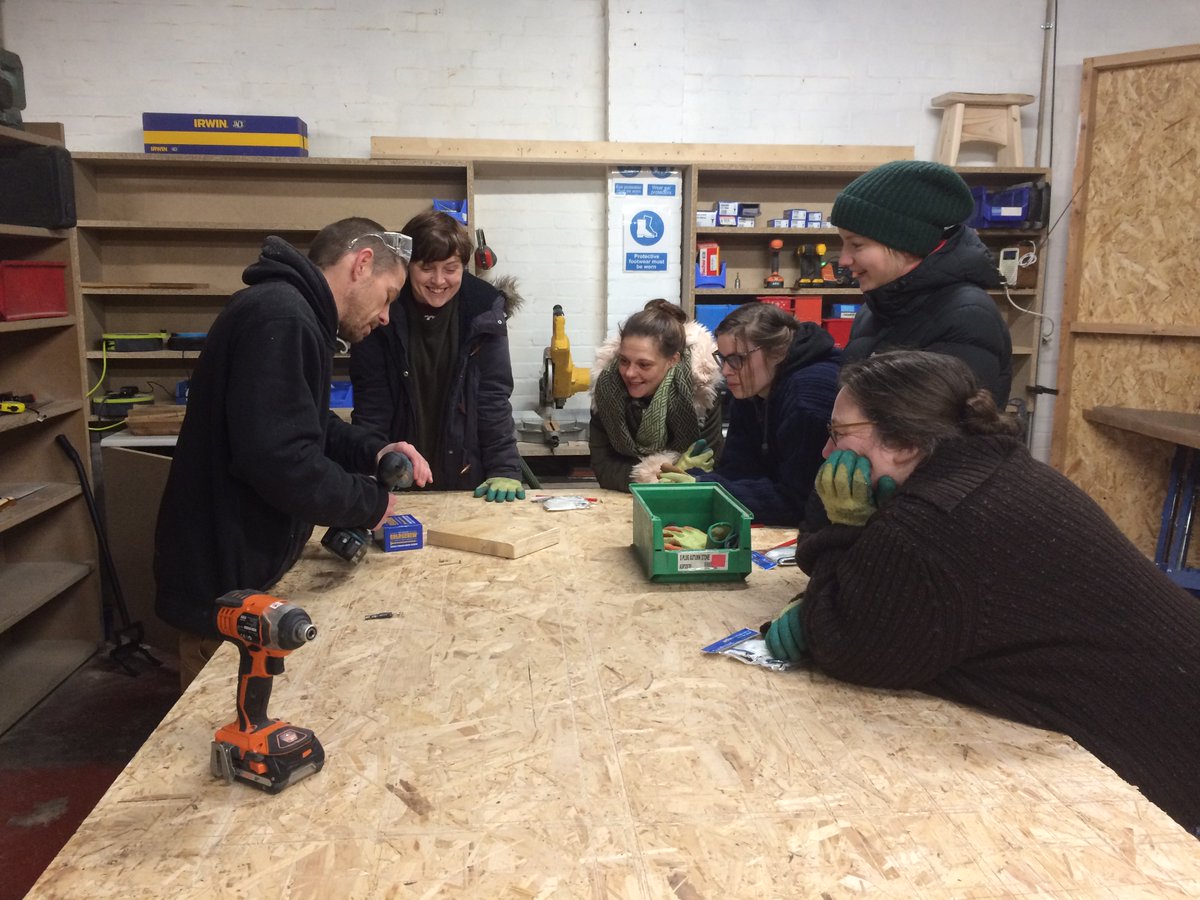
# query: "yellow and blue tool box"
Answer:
x=224 y=134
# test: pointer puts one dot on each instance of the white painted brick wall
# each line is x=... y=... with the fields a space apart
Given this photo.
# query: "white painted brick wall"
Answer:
x=775 y=71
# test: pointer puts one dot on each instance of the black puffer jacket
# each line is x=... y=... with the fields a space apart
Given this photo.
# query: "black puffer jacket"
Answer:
x=260 y=457
x=480 y=438
x=942 y=306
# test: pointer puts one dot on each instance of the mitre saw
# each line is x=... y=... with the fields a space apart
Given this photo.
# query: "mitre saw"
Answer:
x=561 y=378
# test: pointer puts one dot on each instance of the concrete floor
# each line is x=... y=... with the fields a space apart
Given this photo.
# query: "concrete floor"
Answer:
x=57 y=761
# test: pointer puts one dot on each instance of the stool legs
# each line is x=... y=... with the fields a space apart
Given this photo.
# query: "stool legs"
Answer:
x=1173 y=538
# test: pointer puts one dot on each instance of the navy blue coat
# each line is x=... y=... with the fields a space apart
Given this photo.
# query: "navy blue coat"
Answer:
x=942 y=306
x=481 y=438
x=773 y=446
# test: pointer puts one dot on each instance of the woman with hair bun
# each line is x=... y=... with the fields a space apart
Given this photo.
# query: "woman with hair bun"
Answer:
x=958 y=565
x=656 y=395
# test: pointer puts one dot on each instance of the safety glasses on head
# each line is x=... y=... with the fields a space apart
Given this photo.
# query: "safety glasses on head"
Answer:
x=400 y=244
x=734 y=360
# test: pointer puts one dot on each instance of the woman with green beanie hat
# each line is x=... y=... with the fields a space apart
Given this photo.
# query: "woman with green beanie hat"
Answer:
x=923 y=273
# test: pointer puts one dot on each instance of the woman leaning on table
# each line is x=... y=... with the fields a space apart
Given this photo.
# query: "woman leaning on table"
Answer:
x=959 y=566
x=656 y=397
x=439 y=374
x=783 y=377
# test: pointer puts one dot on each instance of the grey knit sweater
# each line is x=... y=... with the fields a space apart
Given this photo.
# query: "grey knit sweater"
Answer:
x=992 y=580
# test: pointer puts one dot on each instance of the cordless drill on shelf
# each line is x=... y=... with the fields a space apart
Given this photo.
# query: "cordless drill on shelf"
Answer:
x=350 y=543
x=269 y=754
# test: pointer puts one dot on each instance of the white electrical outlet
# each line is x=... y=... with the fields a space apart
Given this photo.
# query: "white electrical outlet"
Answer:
x=1009 y=257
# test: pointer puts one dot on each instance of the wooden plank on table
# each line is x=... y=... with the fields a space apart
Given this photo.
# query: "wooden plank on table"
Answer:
x=509 y=539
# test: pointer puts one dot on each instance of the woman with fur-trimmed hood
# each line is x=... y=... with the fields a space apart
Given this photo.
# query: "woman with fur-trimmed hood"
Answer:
x=655 y=394
x=439 y=374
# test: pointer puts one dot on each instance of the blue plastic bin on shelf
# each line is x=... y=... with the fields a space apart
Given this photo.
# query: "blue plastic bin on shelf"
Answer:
x=1000 y=209
x=710 y=281
x=710 y=314
x=341 y=395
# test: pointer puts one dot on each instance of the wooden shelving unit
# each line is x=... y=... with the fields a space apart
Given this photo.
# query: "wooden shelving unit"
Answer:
x=50 y=618
x=163 y=240
x=776 y=187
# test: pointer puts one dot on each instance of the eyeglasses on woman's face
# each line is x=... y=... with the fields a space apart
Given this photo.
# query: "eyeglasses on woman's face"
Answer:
x=837 y=431
x=735 y=361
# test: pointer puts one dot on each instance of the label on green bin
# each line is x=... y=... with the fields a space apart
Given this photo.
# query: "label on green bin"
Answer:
x=702 y=561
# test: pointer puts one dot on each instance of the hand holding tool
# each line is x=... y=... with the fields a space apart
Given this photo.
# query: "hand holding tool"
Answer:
x=350 y=542
x=501 y=490
x=685 y=537
x=697 y=456
x=844 y=486
x=269 y=754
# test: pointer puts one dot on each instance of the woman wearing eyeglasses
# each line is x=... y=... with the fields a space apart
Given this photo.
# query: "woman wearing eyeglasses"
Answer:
x=656 y=394
x=783 y=376
x=960 y=566
x=439 y=375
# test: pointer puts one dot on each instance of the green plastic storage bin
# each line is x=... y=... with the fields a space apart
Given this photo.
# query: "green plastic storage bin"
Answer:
x=699 y=505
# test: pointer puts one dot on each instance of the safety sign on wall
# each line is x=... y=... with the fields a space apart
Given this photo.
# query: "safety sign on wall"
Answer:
x=649 y=200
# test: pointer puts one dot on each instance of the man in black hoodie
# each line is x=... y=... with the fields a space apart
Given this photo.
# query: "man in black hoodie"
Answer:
x=261 y=459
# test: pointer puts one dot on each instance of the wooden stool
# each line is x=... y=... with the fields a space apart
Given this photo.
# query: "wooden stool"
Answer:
x=987 y=118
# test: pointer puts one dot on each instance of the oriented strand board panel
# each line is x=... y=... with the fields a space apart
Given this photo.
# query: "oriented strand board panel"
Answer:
x=1131 y=321
x=547 y=727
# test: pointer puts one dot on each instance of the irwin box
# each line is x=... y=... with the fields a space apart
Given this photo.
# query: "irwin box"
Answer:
x=224 y=134
x=401 y=532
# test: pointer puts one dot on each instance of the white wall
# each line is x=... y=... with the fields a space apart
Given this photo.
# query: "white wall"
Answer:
x=663 y=70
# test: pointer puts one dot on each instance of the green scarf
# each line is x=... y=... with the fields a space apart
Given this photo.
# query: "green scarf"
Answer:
x=668 y=423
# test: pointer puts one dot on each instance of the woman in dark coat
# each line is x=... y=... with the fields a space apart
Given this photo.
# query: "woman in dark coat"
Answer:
x=783 y=377
x=924 y=275
x=958 y=565
x=439 y=374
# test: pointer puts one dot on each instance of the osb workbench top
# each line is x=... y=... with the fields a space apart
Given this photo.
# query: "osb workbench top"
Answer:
x=547 y=727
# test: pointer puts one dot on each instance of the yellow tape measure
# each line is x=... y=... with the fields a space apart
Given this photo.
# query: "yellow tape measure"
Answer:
x=12 y=406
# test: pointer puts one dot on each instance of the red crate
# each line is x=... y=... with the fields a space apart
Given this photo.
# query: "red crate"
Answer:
x=807 y=309
x=32 y=290
x=784 y=303
x=840 y=329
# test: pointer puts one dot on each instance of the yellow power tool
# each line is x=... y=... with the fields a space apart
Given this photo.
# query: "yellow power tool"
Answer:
x=561 y=378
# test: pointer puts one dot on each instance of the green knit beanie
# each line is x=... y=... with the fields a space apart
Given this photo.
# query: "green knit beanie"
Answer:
x=905 y=205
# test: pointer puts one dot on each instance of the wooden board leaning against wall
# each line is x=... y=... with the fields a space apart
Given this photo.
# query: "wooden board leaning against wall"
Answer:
x=1131 y=317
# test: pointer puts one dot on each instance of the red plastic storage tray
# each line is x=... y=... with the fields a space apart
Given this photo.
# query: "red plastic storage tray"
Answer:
x=32 y=290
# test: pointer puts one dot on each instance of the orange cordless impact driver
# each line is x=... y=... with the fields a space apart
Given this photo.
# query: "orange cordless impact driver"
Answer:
x=266 y=753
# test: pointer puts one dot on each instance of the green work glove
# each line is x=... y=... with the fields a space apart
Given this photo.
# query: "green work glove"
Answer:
x=501 y=489
x=844 y=486
x=785 y=636
x=684 y=538
x=696 y=456
x=669 y=475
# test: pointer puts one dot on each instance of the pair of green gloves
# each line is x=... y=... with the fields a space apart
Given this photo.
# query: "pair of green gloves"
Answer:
x=844 y=486
x=697 y=456
x=500 y=490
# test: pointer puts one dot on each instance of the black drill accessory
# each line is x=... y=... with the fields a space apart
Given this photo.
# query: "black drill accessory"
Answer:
x=350 y=542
